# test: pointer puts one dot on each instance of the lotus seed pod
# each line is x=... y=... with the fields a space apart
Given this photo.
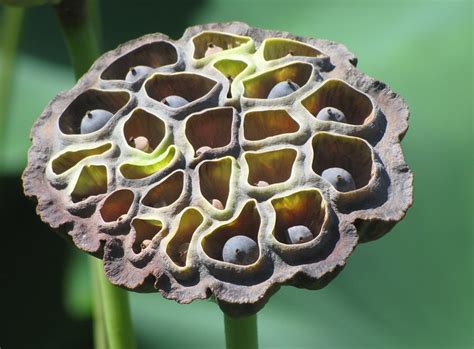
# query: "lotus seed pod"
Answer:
x=339 y=178
x=94 y=120
x=299 y=234
x=282 y=89
x=331 y=114
x=241 y=250
x=136 y=73
x=163 y=192
x=174 y=101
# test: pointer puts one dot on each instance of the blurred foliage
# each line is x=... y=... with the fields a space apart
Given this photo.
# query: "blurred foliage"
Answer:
x=411 y=289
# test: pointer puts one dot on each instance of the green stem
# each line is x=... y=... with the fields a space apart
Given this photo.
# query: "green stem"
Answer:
x=10 y=30
x=118 y=322
x=99 y=330
x=241 y=333
x=80 y=24
x=93 y=8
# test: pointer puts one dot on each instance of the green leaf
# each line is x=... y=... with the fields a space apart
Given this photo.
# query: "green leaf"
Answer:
x=35 y=83
x=77 y=285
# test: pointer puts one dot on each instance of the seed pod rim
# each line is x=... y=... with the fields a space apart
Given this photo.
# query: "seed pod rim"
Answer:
x=236 y=299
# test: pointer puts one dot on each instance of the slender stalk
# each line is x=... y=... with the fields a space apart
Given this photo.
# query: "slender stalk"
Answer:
x=99 y=330
x=10 y=30
x=93 y=8
x=118 y=322
x=78 y=26
x=112 y=322
x=241 y=333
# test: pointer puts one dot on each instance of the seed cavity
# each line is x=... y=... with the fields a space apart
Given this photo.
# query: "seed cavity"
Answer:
x=178 y=246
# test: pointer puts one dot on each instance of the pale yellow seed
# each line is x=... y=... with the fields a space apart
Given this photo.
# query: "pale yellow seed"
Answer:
x=145 y=243
x=142 y=143
x=217 y=204
x=202 y=150
x=212 y=49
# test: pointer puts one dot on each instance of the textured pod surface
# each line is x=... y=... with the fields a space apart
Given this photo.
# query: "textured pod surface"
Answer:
x=158 y=190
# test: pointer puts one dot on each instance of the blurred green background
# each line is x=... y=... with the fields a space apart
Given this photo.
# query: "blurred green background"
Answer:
x=411 y=289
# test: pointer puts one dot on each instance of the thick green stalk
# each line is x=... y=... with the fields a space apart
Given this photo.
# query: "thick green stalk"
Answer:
x=93 y=8
x=118 y=322
x=241 y=333
x=80 y=24
x=10 y=29
x=100 y=335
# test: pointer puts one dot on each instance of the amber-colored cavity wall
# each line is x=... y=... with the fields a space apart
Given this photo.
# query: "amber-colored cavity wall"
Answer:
x=261 y=85
x=145 y=229
x=301 y=208
x=247 y=223
x=144 y=124
x=277 y=48
x=92 y=181
x=116 y=205
x=355 y=105
x=153 y=55
x=69 y=159
x=225 y=41
x=112 y=101
x=214 y=177
x=349 y=153
x=138 y=171
x=271 y=167
x=166 y=192
x=187 y=85
x=178 y=246
x=211 y=128
x=267 y=123
x=230 y=67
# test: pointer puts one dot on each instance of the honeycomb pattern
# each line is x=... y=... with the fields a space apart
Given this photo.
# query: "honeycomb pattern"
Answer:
x=159 y=189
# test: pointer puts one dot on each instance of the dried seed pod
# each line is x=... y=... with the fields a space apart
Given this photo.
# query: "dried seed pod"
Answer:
x=157 y=217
